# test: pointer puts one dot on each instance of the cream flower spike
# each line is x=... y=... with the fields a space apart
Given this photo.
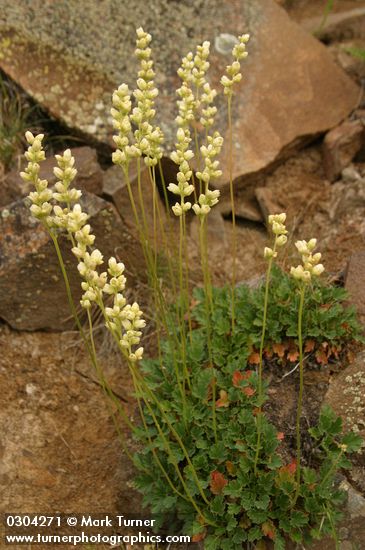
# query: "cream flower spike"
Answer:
x=124 y=320
x=41 y=207
x=233 y=71
x=277 y=224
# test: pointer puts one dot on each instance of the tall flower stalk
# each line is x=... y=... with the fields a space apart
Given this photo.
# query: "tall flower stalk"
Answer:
x=276 y=222
x=232 y=77
x=303 y=274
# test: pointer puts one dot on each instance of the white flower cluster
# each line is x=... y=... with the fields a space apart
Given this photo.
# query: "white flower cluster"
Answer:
x=277 y=223
x=66 y=173
x=124 y=320
x=211 y=170
x=147 y=138
x=120 y=112
x=193 y=75
x=41 y=207
x=233 y=71
x=201 y=64
x=181 y=156
x=208 y=110
x=311 y=265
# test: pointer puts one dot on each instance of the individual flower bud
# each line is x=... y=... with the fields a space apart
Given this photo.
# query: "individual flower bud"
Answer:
x=302 y=247
x=312 y=244
x=269 y=253
x=281 y=240
x=173 y=188
x=316 y=258
x=177 y=210
x=317 y=270
x=297 y=272
x=278 y=218
x=278 y=228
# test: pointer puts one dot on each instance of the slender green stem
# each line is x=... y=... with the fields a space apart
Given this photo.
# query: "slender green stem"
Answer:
x=261 y=351
x=301 y=389
x=161 y=306
x=154 y=453
x=162 y=229
x=208 y=298
x=90 y=347
x=333 y=467
x=174 y=433
x=327 y=10
x=110 y=397
x=183 y=301
x=187 y=286
x=334 y=532
x=149 y=395
x=233 y=207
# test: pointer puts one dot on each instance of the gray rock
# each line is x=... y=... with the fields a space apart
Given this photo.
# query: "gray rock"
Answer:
x=355 y=501
x=341 y=145
x=355 y=282
x=291 y=90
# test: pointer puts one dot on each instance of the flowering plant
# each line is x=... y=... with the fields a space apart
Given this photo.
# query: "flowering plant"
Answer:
x=209 y=459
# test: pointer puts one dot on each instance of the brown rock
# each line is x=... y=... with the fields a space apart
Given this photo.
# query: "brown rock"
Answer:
x=73 y=64
x=10 y=189
x=346 y=394
x=266 y=201
x=32 y=293
x=47 y=462
x=245 y=208
x=216 y=231
x=89 y=176
x=345 y=55
x=355 y=282
x=341 y=145
x=344 y=24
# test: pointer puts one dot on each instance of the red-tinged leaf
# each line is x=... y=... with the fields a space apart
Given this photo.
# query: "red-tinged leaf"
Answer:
x=217 y=482
x=254 y=358
x=256 y=411
x=268 y=529
x=321 y=357
x=280 y=436
x=290 y=468
x=223 y=400
x=249 y=391
x=325 y=306
x=268 y=352
x=198 y=537
x=309 y=346
x=293 y=355
x=237 y=378
x=279 y=349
